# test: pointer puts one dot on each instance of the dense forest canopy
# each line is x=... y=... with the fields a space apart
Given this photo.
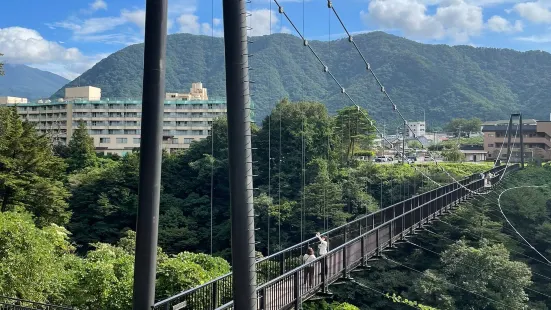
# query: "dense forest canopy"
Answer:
x=446 y=82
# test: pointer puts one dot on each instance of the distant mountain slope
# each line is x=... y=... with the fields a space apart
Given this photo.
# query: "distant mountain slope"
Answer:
x=446 y=81
x=24 y=81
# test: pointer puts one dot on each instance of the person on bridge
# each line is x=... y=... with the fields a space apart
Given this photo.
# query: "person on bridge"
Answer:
x=323 y=247
x=309 y=270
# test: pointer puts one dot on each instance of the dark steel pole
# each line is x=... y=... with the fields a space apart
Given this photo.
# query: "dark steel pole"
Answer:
x=509 y=137
x=150 y=154
x=240 y=156
x=521 y=142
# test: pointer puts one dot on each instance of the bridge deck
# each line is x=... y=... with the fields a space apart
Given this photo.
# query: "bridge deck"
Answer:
x=281 y=276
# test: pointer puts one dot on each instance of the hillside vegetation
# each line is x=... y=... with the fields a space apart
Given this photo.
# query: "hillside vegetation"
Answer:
x=447 y=81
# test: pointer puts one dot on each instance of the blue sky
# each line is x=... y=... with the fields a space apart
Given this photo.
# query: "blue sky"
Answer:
x=67 y=37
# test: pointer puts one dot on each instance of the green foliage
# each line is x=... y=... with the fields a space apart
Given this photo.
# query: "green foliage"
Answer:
x=353 y=131
x=414 y=144
x=323 y=305
x=400 y=300
x=469 y=81
x=465 y=126
x=81 y=150
x=453 y=154
x=30 y=174
x=487 y=271
x=32 y=259
x=104 y=201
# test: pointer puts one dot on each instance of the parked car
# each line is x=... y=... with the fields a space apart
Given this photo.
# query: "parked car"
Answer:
x=380 y=159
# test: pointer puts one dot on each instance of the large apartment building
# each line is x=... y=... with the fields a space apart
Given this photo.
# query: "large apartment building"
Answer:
x=115 y=124
x=537 y=139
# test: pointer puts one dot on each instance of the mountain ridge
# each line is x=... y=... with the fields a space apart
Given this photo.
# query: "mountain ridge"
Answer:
x=446 y=81
x=24 y=81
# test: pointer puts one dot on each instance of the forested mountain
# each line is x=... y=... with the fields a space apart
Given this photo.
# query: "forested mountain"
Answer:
x=24 y=81
x=447 y=81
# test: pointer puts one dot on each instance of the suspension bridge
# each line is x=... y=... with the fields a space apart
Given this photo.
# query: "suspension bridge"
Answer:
x=281 y=280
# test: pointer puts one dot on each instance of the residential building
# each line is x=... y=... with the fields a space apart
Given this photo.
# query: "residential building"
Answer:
x=12 y=100
x=115 y=125
x=196 y=92
x=417 y=127
x=84 y=92
x=474 y=153
x=537 y=139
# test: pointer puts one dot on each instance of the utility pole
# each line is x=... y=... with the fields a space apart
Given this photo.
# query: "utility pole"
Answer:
x=459 y=136
x=150 y=155
x=404 y=142
x=384 y=134
x=240 y=155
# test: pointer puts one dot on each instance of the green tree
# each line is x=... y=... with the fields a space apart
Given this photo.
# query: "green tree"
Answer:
x=32 y=259
x=104 y=201
x=453 y=154
x=354 y=130
x=414 y=144
x=465 y=126
x=81 y=149
x=30 y=174
x=486 y=271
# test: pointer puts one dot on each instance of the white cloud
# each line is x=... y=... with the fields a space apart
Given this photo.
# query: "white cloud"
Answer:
x=537 y=12
x=536 y=38
x=98 y=5
x=136 y=17
x=23 y=45
x=189 y=23
x=455 y=19
x=500 y=24
x=259 y=20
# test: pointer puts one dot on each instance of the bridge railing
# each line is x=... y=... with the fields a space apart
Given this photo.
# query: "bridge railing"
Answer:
x=8 y=303
x=377 y=229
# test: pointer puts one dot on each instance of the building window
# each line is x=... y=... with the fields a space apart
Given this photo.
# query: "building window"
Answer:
x=174 y=140
x=104 y=140
x=122 y=140
x=187 y=140
x=490 y=145
x=136 y=140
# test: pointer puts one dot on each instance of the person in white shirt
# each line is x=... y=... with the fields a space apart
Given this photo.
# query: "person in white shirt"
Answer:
x=323 y=247
x=309 y=270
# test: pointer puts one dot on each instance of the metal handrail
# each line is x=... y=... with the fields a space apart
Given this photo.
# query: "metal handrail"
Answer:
x=348 y=224
x=33 y=303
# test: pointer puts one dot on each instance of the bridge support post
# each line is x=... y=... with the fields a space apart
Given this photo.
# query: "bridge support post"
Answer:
x=240 y=154
x=364 y=258
x=521 y=142
x=282 y=263
x=298 y=301
x=377 y=244
x=345 y=269
x=150 y=155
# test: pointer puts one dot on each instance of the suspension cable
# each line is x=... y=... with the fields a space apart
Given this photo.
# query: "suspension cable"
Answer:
x=395 y=108
x=518 y=233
